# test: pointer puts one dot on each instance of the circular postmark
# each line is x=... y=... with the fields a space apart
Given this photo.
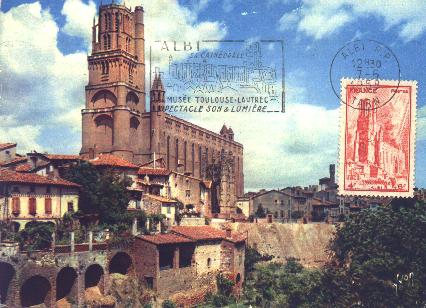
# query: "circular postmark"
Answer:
x=365 y=64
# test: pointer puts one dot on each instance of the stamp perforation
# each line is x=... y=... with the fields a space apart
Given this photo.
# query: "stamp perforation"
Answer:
x=386 y=178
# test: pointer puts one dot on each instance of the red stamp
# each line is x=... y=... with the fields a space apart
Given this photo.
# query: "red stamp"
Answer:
x=377 y=138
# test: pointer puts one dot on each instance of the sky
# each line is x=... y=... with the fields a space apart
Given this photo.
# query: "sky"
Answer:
x=43 y=71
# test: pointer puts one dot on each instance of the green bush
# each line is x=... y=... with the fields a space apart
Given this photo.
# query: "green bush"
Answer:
x=168 y=304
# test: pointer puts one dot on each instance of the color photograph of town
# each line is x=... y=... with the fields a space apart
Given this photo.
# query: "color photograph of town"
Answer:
x=212 y=153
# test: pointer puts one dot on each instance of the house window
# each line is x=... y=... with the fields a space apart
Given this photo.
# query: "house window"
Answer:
x=187 y=193
x=169 y=209
x=16 y=189
x=48 y=206
x=209 y=262
x=70 y=206
x=149 y=282
x=32 y=206
x=48 y=190
x=16 y=206
x=32 y=189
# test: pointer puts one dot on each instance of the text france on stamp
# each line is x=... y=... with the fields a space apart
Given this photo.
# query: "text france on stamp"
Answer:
x=377 y=141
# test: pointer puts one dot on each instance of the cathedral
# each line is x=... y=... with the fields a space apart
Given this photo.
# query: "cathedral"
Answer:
x=116 y=121
x=370 y=148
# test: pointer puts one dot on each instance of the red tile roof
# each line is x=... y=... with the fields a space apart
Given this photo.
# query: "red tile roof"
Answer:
x=205 y=233
x=63 y=156
x=9 y=176
x=4 y=146
x=14 y=161
x=199 y=233
x=165 y=238
x=319 y=202
x=110 y=160
x=23 y=168
x=152 y=171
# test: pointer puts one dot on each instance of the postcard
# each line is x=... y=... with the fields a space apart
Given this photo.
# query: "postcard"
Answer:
x=200 y=153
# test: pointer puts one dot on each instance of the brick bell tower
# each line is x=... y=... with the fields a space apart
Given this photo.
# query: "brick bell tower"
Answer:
x=115 y=94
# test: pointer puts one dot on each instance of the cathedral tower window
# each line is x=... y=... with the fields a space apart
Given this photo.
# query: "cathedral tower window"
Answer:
x=177 y=154
x=185 y=156
x=117 y=22
x=199 y=160
x=168 y=152
x=106 y=21
x=105 y=68
x=193 y=158
x=109 y=21
x=105 y=42
x=109 y=41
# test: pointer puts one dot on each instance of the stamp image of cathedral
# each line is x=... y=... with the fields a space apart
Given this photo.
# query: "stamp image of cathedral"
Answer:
x=377 y=143
x=116 y=120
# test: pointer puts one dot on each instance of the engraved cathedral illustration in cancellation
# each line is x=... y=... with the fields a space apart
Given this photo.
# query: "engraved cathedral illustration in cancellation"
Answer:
x=115 y=119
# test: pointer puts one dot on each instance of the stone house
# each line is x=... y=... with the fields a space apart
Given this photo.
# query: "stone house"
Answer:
x=194 y=193
x=26 y=197
x=243 y=204
x=183 y=264
x=7 y=152
x=273 y=202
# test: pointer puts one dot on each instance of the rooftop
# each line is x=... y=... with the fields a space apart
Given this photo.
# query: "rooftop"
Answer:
x=165 y=238
x=9 y=176
x=153 y=171
x=4 y=146
x=16 y=160
x=62 y=156
x=110 y=160
x=203 y=233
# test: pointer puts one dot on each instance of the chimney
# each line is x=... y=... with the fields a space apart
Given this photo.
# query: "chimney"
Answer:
x=91 y=153
x=332 y=173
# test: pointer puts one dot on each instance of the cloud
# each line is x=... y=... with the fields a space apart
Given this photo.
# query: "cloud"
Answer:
x=41 y=84
x=288 y=20
x=320 y=19
x=78 y=18
x=228 y=5
x=26 y=136
x=421 y=123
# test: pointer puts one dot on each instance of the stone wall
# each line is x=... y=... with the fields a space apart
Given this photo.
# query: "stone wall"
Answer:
x=305 y=242
x=205 y=252
x=47 y=273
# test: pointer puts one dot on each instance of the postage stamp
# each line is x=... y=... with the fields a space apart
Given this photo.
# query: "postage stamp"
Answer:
x=377 y=141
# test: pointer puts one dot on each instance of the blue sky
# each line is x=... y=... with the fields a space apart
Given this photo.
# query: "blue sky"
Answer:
x=298 y=146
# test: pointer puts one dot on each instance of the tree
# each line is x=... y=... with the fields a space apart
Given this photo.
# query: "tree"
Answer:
x=168 y=304
x=252 y=257
x=36 y=235
x=102 y=193
x=260 y=212
x=375 y=248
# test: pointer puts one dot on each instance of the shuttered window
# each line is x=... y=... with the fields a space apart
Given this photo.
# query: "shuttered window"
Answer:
x=16 y=205
x=48 y=206
x=32 y=206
